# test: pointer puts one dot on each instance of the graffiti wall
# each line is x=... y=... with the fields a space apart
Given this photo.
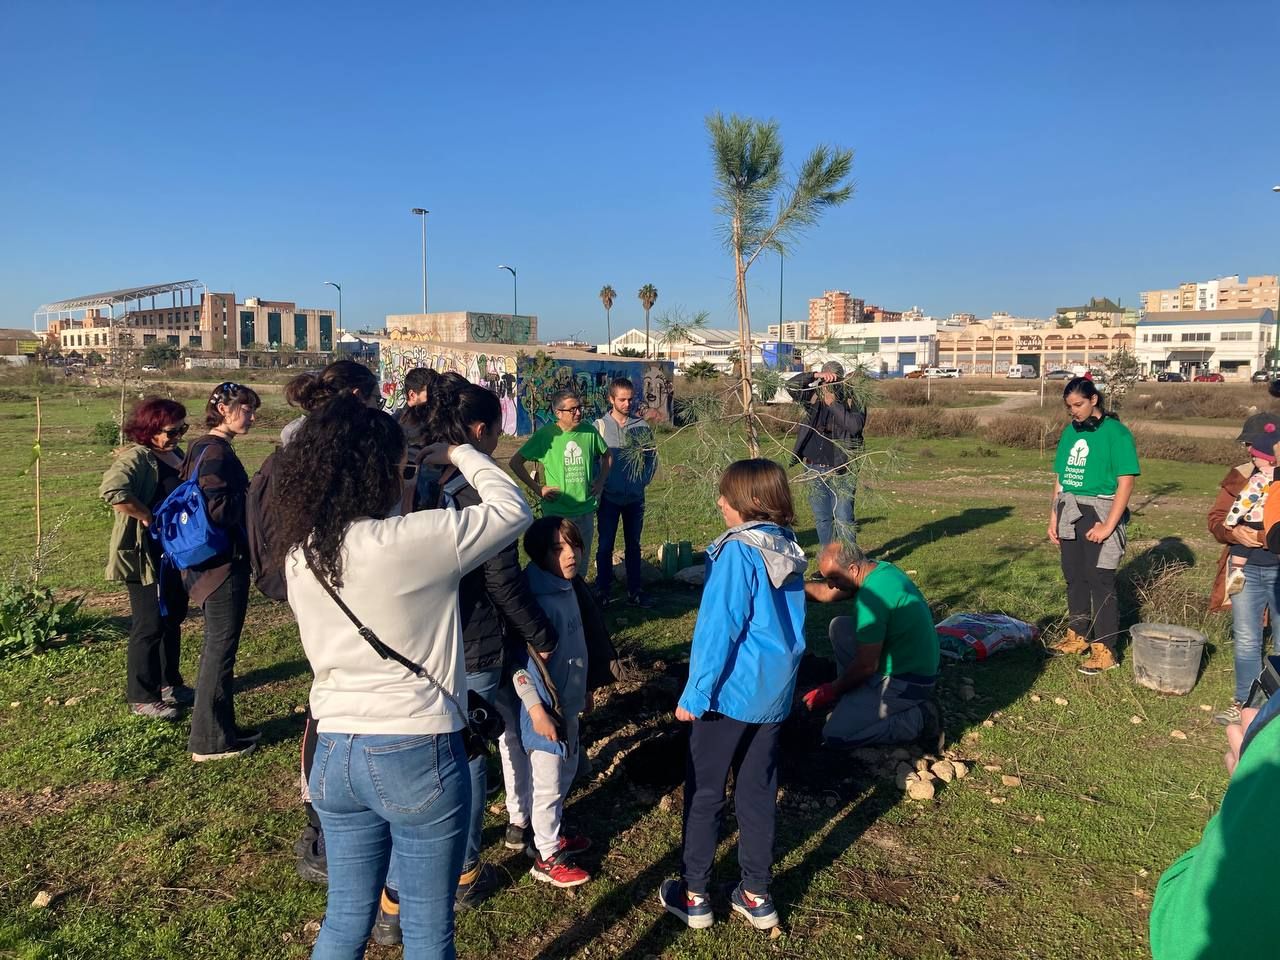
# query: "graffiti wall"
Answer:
x=526 y=382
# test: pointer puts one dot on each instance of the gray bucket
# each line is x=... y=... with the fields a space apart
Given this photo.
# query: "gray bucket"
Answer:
x=1166 y=657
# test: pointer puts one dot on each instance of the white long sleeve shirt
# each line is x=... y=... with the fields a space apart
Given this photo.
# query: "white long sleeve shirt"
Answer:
x=400 y=577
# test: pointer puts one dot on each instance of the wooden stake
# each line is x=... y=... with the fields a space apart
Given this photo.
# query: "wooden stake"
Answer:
x=38 y=531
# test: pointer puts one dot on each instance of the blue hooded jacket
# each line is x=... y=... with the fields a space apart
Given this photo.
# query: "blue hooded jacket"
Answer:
x=749 y=637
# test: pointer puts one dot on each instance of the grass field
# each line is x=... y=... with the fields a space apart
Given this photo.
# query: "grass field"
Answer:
x=146 y=855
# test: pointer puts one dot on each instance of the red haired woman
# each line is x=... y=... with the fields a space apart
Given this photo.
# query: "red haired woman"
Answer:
x=138 y=480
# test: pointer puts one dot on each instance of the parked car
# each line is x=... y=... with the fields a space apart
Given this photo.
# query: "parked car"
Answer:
x=1021 y=371
x=945 y=373
x=1059 y=375
x=1210 y=378
x=914 y=375
x=1170 y=376
x=1260 y=376
x=148 y=368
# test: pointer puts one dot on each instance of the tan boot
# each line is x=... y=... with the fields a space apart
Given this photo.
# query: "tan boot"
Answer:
x=1100 y=659
x=1072 y=643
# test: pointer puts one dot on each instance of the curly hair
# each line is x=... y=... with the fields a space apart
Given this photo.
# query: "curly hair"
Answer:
x=150 y=416
x=309 y=390
x=344 y=465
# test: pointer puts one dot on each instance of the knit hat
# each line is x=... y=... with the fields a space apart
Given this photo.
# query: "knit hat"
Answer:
x=1263 y=443
x=1254 y=425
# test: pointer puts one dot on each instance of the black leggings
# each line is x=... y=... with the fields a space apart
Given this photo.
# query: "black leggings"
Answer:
x=1091 y=592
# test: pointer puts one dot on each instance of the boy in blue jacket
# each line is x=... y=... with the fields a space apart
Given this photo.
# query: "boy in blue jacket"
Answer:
x=747 y=646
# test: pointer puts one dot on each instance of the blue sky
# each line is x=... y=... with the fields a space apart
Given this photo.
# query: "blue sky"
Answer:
x=1008 y=156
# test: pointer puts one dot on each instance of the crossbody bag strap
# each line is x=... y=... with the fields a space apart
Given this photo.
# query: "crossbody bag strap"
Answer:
x=380 y=648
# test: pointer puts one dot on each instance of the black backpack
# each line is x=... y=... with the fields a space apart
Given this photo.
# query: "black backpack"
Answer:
x=260 y=520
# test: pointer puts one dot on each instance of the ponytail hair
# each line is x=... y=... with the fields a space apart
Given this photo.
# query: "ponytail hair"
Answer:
x=1085 y=387
x=311 y=391
x=452 y=408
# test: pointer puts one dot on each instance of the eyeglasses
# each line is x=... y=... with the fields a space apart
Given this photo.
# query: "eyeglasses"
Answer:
x=573 y=410
x=178 y=431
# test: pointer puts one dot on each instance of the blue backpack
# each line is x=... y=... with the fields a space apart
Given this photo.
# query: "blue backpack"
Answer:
x=182 y=527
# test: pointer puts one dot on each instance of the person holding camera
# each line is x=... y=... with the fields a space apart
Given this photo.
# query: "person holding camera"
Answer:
x=827 y=440
x=375 y=597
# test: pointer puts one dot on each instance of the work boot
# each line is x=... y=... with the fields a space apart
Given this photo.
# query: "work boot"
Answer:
x=1100 y=659
x=1071 y=643
x=386 y=928
x=476 y=885
x=932 y=736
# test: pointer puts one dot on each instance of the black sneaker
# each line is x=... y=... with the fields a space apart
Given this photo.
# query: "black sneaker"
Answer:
x=386 y=929
x=480 y=889
x=641 y=600
x=312 y=864
x=603 y=597
x=932 y=738
x=518 y=837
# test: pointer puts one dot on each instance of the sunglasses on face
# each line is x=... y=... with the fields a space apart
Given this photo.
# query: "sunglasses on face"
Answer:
x=175 y=432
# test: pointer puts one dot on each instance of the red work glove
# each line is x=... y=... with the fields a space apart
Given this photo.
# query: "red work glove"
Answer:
x=821 y=697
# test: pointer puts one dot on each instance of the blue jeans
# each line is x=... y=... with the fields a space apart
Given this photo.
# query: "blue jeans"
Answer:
x=632 y=517
x=1261 y=590
x=376 y=793
x=485 y=683
x=831 y=497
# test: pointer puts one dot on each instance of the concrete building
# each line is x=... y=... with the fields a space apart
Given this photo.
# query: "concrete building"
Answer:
x=465 y=326
x=876 y=314
x=833 y=308
x=1231 y=342
x=1223 y=293
x=195 y=320
x=981 y=349
x=709 y=344
x=1098 y=308
x=884 y=349
x=791 y=331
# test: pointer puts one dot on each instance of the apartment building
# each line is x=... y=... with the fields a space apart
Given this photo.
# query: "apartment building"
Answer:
x=833 y=308
x=1223 y=293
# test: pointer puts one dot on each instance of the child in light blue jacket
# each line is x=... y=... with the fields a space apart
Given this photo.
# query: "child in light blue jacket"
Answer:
x=747 y=646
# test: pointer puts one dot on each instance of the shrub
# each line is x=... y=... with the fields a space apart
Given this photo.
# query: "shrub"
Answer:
x=30 y=617
x=105 y=432
x=923 y=424
x=1023 y=432
x=1174 y=446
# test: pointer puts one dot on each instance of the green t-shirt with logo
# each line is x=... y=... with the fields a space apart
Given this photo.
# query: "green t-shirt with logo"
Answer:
x=1090 y=461
x=890 y=610
x=570 y=461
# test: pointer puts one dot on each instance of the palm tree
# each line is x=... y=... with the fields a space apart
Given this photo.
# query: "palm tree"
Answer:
x=762 y=213
x=607 y=296
x=648 y=297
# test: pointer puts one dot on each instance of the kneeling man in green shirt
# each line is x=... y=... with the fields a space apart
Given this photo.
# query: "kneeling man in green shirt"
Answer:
x=573 y=461
x=886 y=654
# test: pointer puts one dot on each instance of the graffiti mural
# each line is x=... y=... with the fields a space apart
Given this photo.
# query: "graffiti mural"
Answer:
x=525 y=383
x=498 y=328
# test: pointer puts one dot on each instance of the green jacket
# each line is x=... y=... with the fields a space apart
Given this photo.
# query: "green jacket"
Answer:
x=1215 y=901
x=131 y=554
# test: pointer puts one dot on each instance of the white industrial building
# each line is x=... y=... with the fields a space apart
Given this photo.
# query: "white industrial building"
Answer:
x=1231 y=342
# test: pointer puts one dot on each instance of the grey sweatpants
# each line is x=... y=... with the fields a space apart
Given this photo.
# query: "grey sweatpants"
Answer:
x=883 y=710
x=537 y=783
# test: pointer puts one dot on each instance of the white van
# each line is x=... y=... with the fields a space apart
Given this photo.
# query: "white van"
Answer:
x=944 y=373
x=1022 y=371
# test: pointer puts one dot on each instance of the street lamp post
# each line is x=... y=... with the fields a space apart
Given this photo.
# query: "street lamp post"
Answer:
x=338 y=287
x=515 y=290
x=419 y=211
x=1275 y=342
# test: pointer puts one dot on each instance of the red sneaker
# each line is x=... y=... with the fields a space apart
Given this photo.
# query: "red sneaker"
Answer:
x=559 y=872
x=578 y=843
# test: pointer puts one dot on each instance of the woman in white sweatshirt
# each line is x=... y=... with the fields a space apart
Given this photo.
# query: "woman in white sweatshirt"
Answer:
x=390 y=769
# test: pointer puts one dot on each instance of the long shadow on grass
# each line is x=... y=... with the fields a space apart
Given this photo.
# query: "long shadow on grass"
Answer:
x=275 y=673
x=966 y=521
